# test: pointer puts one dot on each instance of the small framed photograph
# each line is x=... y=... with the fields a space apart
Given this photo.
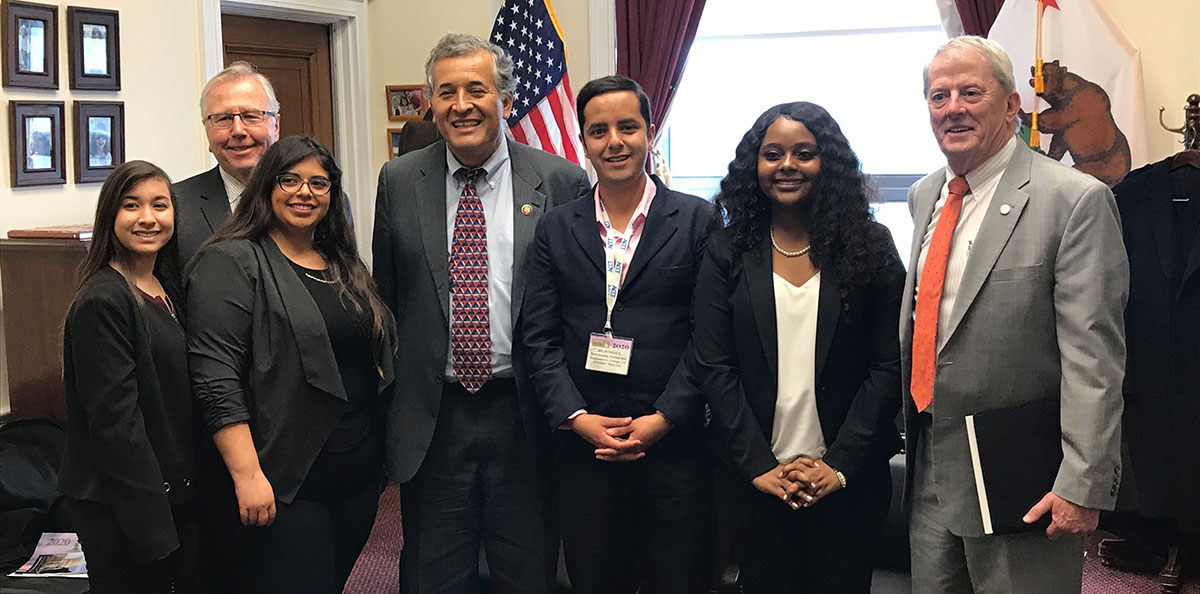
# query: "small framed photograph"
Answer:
x=95 y=48
x=30 y=46
x=394 y=141
x=99 y=139
x=37 y=141
x=406 y=102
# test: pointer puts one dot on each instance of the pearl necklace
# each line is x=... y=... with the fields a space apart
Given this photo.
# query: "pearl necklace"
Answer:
x=787 y=254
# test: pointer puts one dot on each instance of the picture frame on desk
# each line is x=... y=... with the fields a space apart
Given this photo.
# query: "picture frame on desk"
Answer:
x=94 y=46
x=99 y=139
x=37 y=143
x=29 y=51
x=406 y=102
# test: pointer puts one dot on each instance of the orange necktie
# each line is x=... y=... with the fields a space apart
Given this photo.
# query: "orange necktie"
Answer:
x=929 y=296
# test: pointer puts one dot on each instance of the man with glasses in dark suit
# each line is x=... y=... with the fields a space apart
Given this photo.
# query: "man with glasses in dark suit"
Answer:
x=241 y=119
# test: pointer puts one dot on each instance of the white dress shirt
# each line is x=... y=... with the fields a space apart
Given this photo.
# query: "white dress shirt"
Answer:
x=983 y=181
x=233 y=188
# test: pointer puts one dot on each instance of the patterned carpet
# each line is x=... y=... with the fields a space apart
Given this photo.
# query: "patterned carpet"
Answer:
x=1098 y=579
x=376 y=571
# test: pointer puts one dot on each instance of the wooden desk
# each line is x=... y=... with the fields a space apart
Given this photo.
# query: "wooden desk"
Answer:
x=38 y=278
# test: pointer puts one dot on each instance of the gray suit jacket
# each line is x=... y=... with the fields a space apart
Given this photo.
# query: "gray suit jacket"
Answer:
x=1039 y=315
x=411 y=269
x=203 y=205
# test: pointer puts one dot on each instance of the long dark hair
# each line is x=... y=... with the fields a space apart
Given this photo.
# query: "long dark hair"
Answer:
x=841 y=230
x=333 y=237
x=107 y=248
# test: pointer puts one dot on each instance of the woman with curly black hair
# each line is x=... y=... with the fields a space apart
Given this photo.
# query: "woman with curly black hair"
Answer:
x=797 y=307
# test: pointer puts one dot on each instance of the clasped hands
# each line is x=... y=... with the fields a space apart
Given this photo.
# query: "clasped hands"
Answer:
x=800 y=483
x=621 y=439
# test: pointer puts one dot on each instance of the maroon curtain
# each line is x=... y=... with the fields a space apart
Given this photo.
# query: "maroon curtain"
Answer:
x=978 y=15
x=653 y=40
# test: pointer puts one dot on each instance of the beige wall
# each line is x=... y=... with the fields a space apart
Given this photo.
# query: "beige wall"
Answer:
x=402 y=33
x=160 y=62
x=1165 y=32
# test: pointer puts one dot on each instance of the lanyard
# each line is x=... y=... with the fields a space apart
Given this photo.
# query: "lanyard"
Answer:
x=614 y=262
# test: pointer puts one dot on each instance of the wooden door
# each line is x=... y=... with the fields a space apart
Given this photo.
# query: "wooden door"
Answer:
x=295 y=56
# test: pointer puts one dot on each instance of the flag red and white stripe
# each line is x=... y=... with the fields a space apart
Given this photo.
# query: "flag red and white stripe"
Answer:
x=543 y=113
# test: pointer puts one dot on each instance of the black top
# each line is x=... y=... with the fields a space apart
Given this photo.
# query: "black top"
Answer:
x=259 y=352
x=350 y=337
x=129 y=412
x=856 y=364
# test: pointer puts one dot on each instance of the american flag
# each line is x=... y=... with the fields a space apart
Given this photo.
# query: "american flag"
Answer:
x=543 y=113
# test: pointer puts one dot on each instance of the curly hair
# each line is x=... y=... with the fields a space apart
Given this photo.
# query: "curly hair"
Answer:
x=842 y=232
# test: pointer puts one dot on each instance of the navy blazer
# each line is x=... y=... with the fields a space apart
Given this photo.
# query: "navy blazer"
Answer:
x=564 y=304
x=128 y=444
x=857 y=360
x=259 y=353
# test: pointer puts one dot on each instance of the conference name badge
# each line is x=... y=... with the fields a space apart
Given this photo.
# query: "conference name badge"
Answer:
x=609 y=354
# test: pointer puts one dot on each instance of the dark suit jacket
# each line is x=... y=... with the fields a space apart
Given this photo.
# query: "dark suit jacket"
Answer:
x=125 y=438
x=857 y=360
x=203 y=205
x=1162 y=324
x=412 y=272
x=259 y=353
x=565 y=303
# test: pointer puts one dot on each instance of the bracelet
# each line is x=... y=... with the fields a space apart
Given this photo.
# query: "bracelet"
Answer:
x=841 y=477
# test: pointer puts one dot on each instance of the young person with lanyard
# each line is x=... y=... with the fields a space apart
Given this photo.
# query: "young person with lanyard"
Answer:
x=607 y=321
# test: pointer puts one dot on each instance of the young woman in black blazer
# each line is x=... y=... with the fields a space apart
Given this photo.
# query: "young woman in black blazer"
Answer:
x=290 y=351
x=128 y=461
x=797 y=307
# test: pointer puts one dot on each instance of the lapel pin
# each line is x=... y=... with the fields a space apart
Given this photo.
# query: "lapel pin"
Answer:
x=1005 y=209
x=526 y=209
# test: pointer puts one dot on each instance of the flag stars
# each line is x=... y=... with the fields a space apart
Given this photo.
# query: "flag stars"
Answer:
x=539 y=23
x=521 y=47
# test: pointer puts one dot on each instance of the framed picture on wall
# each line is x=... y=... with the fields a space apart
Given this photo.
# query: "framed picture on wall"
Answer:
x=30 y=45
x=94 y=43
x=406 y=102
x=36 y=141
x=99 y=139
x=394 y=141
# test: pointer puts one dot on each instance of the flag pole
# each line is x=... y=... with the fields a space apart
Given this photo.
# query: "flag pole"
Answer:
x=1039 y=82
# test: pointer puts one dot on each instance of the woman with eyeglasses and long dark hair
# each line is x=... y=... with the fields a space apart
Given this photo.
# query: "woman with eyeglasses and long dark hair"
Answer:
x=128 y=462
x=796 y=315
x=291 y=352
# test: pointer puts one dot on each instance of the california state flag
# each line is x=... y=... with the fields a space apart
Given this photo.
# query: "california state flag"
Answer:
x=1091 y=114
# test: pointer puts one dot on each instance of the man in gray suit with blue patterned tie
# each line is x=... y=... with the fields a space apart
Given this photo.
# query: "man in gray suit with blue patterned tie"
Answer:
x=1016 y=288
x=465 y=435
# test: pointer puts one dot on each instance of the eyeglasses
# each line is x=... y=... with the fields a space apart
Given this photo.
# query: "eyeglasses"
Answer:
x=252 y=117
x=290 y=183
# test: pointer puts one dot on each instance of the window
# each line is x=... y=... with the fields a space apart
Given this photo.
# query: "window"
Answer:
x=859 y=59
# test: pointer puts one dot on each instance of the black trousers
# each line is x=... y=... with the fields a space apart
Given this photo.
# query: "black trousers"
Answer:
x=315 y=540
x=824 y=549
x=109 y=564
x=478 y=485
x=647 y=524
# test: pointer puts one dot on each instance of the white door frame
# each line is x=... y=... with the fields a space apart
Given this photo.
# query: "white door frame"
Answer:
x=349 y=63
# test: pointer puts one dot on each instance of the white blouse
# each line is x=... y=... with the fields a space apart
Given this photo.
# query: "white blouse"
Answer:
x=796 y=430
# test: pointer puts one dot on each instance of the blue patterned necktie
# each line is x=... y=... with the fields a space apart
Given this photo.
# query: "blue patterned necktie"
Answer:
x=470 y=329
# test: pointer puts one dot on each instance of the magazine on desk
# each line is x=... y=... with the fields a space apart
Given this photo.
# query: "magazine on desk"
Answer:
x=57 y=555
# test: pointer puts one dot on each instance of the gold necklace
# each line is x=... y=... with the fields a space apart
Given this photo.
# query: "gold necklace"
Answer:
x=787 y=254
x=321 y=280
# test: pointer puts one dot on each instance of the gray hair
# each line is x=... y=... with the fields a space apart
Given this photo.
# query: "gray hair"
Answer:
x=454 y=45
x=997 y=59
x=237 y=70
